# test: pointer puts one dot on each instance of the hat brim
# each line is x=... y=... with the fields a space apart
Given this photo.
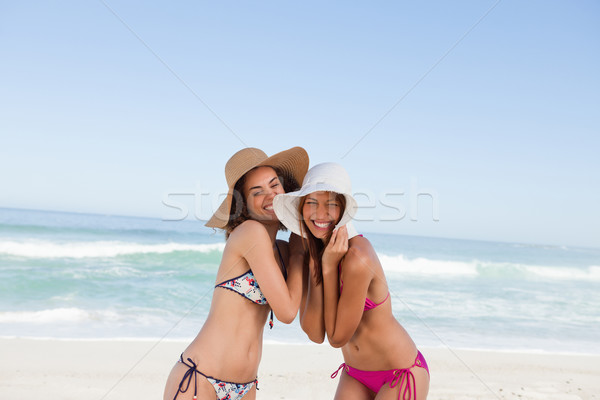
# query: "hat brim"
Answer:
x=286 y=208
x=292 y=163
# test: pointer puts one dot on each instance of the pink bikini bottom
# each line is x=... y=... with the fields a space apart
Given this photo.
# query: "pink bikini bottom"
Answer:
x=374 y=380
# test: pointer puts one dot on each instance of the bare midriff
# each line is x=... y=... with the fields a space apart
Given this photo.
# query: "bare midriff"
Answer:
x=229 y=345
x=380 y=342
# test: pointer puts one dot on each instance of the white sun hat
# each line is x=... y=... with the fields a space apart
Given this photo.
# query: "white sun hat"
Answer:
x=328 y=177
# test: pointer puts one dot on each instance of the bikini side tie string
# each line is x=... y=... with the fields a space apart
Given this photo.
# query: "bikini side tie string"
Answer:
x=402 y=376
x=338 y=370
x=187 y=378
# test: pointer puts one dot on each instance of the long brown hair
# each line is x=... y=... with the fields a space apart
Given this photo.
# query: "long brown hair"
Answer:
x=239 y=210
x=316 y=246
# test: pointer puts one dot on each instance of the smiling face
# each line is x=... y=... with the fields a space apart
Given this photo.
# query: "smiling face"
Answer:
x=260 y=187
x=321 y=211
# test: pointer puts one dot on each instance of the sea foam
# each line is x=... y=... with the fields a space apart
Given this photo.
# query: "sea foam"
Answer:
x=96 y=249
x=426 y=268
x=70 y=314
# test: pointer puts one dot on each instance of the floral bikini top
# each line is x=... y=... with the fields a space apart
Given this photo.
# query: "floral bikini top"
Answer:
x=246 y=286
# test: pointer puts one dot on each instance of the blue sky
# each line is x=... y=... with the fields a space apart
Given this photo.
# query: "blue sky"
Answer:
x=489 y=107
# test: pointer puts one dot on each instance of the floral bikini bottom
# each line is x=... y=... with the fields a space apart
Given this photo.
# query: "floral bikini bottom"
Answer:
x=223 y=389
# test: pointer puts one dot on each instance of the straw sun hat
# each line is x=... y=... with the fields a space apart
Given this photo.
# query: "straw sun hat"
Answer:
x=292 y=163
x=330 y=177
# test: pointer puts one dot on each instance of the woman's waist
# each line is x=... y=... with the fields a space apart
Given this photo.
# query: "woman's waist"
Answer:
x=227 y=348
x=236 y=361
x=377 y=350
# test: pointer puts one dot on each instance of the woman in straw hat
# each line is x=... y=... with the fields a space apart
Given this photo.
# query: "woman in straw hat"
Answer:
x=345 y=294
x=224 y=356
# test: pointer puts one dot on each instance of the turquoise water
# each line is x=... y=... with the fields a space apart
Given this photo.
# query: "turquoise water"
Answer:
x=68 y=275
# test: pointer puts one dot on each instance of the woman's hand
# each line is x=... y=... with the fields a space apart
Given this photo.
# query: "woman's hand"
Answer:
x=336 y=248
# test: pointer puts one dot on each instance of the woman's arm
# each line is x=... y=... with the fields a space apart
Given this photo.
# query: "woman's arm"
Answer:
x=254 y=245
x=343 y=312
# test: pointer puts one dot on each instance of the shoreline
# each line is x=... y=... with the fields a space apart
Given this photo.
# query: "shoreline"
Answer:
x=121 y=369
x=306 y=343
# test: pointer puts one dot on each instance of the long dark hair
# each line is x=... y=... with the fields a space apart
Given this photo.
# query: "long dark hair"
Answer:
x=316 y=246
x=239 y=210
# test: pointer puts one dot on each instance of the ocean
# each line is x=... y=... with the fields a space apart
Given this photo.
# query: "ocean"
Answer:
x=81 y=276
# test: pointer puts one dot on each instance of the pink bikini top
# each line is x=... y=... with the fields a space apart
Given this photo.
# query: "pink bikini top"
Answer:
x=369 y=304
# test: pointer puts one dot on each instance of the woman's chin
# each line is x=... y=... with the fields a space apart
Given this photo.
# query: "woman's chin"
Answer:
x=320 y=233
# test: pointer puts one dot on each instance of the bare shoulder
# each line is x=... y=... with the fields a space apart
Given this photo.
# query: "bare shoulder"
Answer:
x=246 y=236
x=361 y=256
x=247 y=233
x=361 y=247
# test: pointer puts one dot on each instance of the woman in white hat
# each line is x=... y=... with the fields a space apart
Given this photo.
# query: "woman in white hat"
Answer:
x=224 y=356
x=345 y=294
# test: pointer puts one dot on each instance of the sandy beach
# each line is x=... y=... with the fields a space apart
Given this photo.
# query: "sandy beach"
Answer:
x=66 y=369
